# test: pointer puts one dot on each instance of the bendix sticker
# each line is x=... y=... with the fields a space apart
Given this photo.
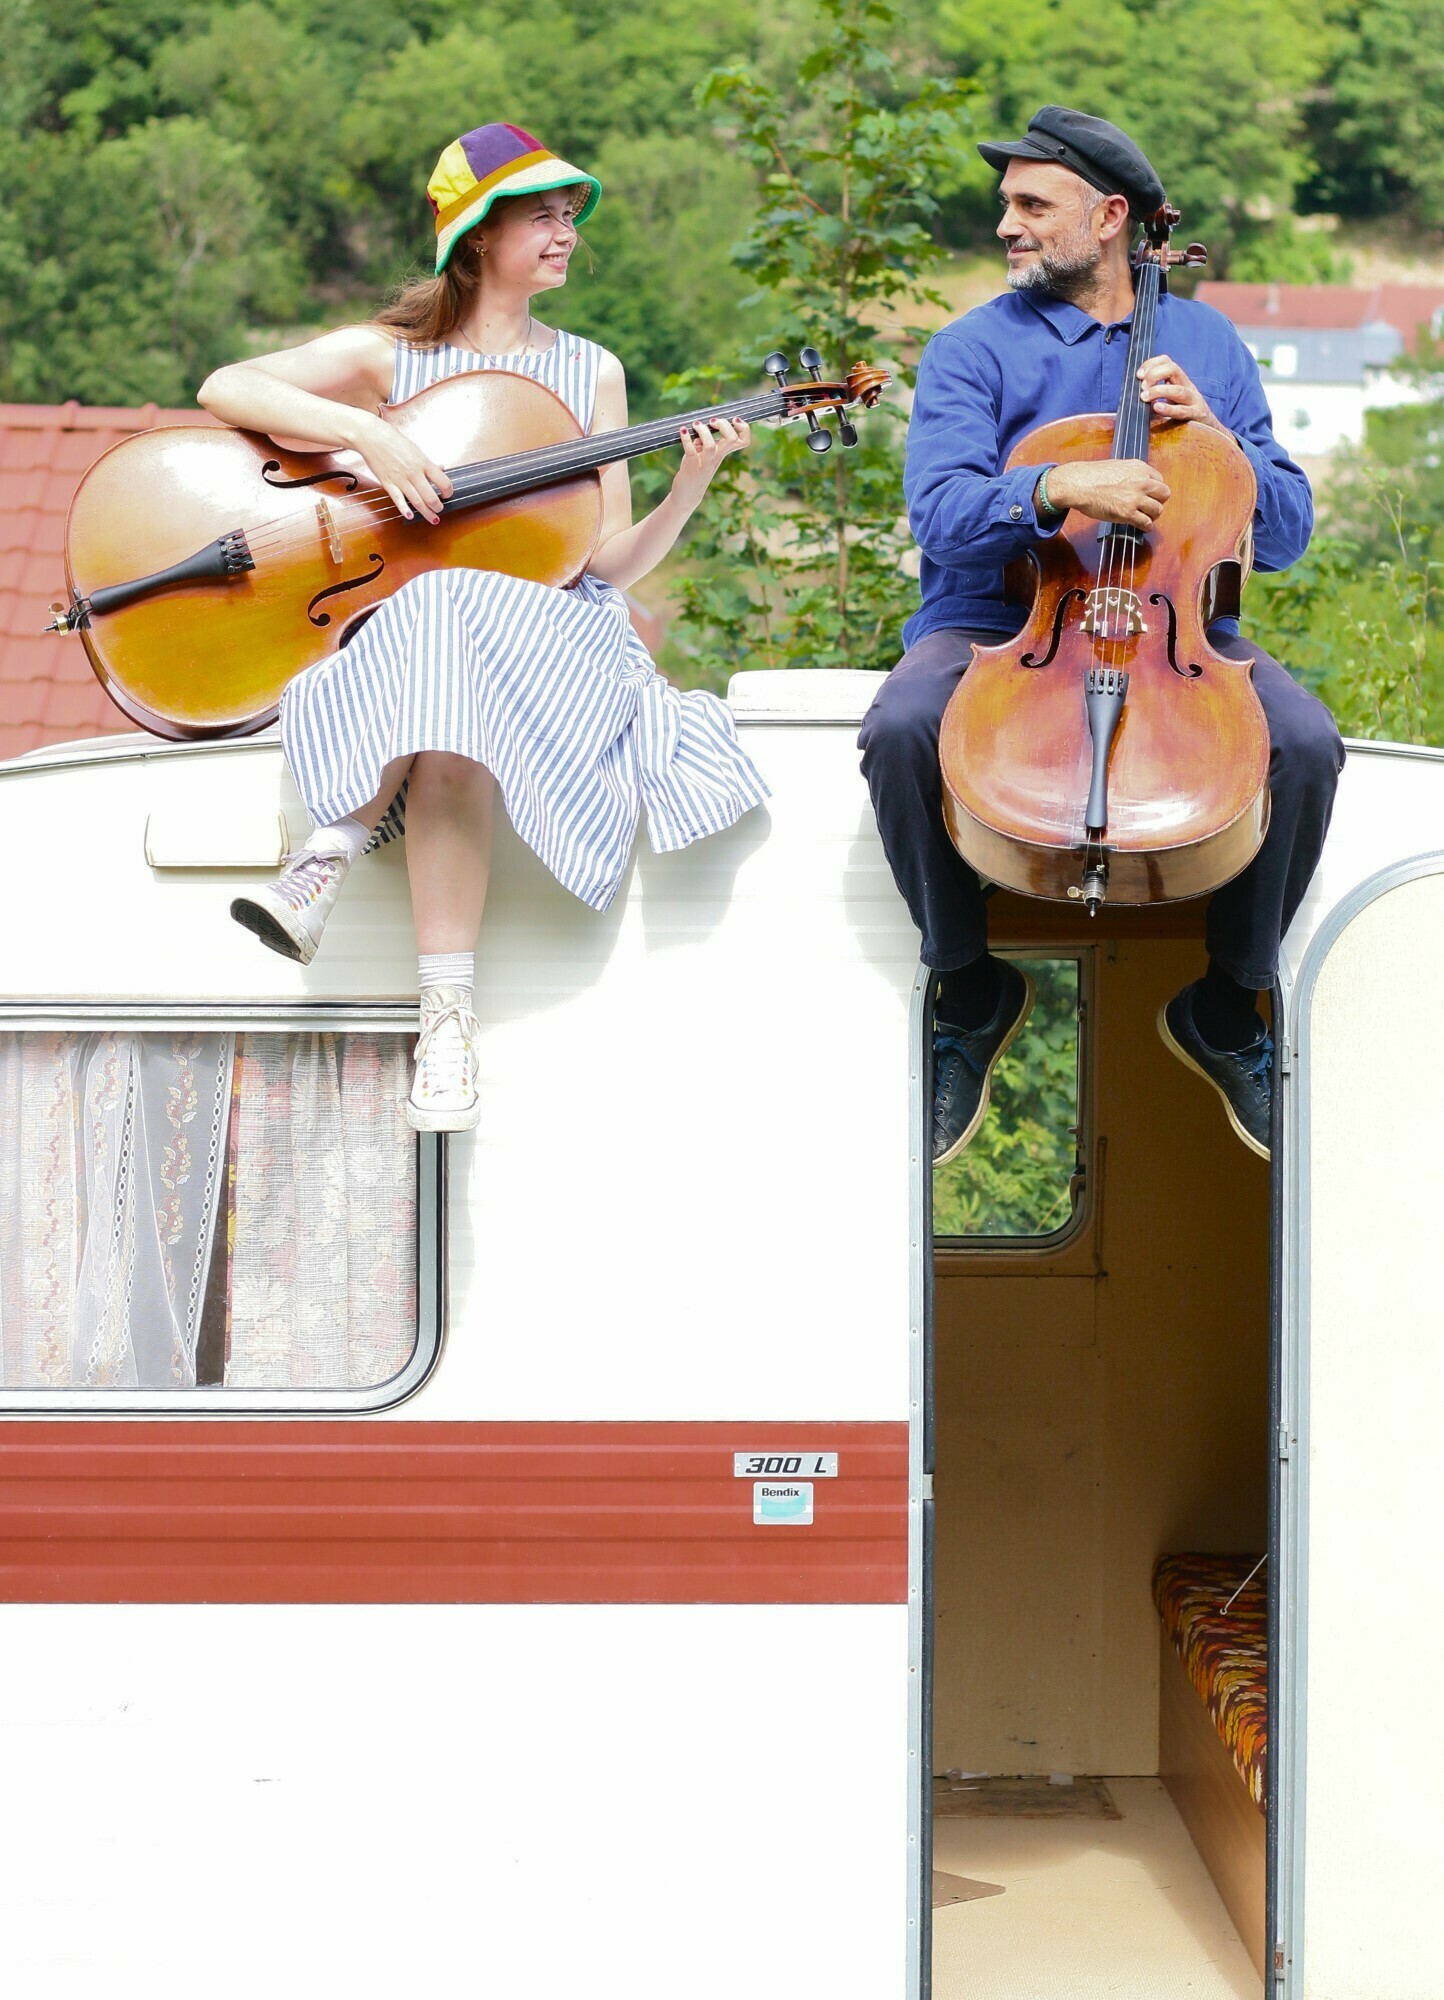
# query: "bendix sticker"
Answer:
x=782 y=1503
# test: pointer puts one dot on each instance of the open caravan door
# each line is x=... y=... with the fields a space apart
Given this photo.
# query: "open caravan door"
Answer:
x=1361 y=1753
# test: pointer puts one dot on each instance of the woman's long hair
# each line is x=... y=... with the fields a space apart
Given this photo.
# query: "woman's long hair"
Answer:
x=427 y=312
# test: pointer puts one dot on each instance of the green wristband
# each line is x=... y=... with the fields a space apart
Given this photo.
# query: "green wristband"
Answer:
x=1043 y=504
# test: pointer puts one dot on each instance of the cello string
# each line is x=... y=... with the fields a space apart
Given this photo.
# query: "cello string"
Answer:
x=571 y=458
x=1128 y=422
x=1120 y=545
x=1140 y=344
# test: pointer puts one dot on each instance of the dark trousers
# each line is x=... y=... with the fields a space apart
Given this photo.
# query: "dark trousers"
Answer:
x=1246 y=918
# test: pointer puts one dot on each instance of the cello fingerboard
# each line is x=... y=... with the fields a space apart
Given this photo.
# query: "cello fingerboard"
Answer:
x=1131 y=430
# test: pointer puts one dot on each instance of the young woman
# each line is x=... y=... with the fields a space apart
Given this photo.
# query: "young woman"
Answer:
x=466 y=680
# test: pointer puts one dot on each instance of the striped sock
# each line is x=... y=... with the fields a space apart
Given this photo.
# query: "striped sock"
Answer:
x=446 y=968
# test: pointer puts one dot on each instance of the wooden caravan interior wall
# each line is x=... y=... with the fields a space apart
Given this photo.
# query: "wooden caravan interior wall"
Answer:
x=1100 y=1405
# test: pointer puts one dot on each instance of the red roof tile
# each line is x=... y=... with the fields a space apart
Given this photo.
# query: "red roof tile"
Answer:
x=48 y=693
x=1326 y=307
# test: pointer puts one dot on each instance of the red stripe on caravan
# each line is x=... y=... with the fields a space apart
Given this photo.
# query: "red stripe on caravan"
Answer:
x=374 y=1512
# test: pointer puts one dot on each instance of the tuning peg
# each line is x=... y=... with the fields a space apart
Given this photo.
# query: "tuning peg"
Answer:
x=776 y=365
x=846 y=431
x=818 y=439
x=811 y=360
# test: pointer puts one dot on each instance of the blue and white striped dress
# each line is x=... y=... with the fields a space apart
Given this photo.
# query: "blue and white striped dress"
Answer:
x=550 y=689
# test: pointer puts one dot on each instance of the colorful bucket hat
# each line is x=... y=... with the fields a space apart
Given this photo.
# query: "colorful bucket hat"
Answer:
x=492 y=161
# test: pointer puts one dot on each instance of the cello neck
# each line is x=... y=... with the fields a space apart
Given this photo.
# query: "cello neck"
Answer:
x=496 y=478
x=1130 y=431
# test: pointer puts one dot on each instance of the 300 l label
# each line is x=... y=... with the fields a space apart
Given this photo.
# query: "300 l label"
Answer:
x=784 y=1465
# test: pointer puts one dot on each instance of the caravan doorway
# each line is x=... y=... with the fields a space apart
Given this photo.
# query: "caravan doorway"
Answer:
x=1101 y=1330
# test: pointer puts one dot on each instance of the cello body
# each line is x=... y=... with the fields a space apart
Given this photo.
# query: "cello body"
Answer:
x=210 y=657
x=1108 y=750
x=1188 y=772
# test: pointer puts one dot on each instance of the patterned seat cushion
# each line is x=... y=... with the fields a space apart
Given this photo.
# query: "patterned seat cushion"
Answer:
x=1224 y=1654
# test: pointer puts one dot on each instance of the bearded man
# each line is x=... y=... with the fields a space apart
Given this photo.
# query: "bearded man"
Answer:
x=1056 y=345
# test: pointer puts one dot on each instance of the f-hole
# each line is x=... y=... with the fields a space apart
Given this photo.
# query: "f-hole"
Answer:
x=312 y=479
x=375 y=566
x=1190 y=672
x=1031 y=659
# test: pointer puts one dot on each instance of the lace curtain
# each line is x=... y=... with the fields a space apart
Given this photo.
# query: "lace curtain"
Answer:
x=323 y=1247
x=168 y=1201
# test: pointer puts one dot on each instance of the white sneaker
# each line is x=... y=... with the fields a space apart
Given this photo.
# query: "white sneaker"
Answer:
x=290 y=913
x=443 y=1097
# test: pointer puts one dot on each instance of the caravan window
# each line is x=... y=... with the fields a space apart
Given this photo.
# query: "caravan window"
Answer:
x=1022 y=1177
x=190 y=1211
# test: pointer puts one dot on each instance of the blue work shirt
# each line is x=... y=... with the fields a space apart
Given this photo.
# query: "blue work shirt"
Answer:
x=1025 y=359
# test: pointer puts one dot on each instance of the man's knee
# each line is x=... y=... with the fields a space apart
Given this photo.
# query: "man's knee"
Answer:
x=900 y=731
x=1308 y=749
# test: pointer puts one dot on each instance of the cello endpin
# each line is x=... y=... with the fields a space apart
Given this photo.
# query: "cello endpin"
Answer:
x=1094 y=888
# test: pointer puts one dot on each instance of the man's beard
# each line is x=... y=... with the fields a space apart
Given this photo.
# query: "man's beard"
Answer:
x=1069 y=270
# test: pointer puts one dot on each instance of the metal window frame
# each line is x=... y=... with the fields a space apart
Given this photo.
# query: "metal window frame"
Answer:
x=918 y=1979
x=314 y=1017
x=1040 y=1248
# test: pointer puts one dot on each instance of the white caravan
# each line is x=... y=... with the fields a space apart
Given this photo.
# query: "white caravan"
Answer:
x=574 y=1559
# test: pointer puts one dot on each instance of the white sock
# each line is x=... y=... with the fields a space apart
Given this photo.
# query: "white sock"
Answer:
x=446 y=968
x=347 y=837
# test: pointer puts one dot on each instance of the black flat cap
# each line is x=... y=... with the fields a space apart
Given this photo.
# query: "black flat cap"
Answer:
x=1104 y=156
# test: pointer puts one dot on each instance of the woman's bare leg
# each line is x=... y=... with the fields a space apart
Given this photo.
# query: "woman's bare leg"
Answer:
x=393 y=776
x=448 y=848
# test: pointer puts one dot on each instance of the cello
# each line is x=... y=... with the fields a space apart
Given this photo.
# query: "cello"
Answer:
x=1108 y=750
x=206 y=567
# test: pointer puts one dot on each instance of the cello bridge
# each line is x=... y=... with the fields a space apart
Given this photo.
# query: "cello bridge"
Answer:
x=1110 y=612
x=328 y=530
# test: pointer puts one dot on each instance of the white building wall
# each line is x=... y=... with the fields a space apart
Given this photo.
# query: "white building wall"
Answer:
x=1312 y=418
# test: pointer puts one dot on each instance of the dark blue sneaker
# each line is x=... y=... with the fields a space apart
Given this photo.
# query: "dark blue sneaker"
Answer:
x=1243 y=1078
x=964 y=1060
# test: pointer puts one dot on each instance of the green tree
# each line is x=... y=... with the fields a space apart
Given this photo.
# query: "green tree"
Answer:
x=333 y=115
x=268 y=85
x=802 y=562
x=1378 y=123
x=1361 y=618
x=93 y=66
x=160 y=246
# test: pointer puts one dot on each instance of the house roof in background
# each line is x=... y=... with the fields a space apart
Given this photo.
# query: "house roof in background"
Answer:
x=1329 y=307
x=48 y=693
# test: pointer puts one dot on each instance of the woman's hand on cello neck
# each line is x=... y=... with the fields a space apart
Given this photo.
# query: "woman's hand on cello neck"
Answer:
x=628 y=550
x=704 y=446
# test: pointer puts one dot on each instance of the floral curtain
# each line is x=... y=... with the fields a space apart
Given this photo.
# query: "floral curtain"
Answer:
x=165 y=1195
